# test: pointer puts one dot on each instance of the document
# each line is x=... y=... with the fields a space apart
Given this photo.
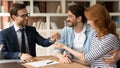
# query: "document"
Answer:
x=42 y=63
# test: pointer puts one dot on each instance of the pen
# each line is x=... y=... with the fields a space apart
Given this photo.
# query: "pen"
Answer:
x=49 y=62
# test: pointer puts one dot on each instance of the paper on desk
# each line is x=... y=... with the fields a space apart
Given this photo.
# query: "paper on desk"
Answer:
x=42 y=63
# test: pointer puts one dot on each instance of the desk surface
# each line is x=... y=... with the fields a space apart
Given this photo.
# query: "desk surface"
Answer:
x=59 y=65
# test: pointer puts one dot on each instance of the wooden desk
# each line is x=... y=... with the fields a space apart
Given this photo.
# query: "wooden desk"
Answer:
x=59 y=65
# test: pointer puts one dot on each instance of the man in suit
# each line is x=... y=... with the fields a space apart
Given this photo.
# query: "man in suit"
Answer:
x=14 y=46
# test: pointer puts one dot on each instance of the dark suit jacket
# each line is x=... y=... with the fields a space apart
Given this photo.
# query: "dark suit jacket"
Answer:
x=8 y=37
x=118 y=64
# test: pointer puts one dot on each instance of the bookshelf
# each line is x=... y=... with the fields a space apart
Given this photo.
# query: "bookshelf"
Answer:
x=48 y=12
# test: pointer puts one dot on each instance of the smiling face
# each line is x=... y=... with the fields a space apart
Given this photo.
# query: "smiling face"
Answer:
x=21 y=19
x=71 y=19
x=99 y=19
x=92 y=19
x=91 y=23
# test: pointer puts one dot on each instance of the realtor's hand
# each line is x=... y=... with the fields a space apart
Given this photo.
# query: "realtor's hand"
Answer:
x=54 y=37
x=27 y=57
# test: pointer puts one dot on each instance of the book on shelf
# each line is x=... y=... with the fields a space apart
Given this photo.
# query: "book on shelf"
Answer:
x=36 y=9
x=43 y=25
x=38 y=24
x=72 y=3
x=21 y=2
x=2 y=9
x=34 y=24
x=58 y=9
x=8 y=24
x=28 y=8
x=53 y=25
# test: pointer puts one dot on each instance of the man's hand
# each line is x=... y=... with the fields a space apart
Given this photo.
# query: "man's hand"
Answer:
x=54 y=37
x=113 y=59
x=65 y=59
x=59 y=45
x=27 y=57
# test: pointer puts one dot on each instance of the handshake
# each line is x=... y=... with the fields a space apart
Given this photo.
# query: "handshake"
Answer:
x=54 y=37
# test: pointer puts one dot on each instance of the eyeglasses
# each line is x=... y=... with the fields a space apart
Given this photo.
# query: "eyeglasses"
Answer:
x=24 y=15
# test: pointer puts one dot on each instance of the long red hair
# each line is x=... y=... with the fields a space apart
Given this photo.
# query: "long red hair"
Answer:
x=102 y=19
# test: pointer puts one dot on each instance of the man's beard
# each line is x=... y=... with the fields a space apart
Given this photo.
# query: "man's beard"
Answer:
x=71 y=24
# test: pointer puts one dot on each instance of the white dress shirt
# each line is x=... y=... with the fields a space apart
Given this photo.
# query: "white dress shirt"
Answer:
x=18 y=32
